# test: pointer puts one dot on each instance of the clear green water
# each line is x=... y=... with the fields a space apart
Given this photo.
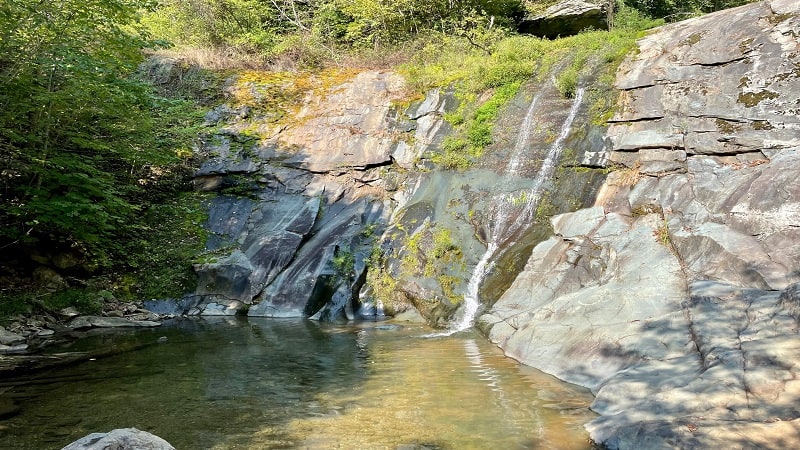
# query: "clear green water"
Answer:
x=263 y=384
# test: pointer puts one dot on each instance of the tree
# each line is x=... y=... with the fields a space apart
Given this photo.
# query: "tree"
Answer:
x=263 y=25
x=72 y=121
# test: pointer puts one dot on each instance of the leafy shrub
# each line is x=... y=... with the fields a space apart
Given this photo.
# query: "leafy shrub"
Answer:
x=84 y=300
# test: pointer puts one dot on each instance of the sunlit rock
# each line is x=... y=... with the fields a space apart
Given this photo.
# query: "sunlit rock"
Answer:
x=123 y=438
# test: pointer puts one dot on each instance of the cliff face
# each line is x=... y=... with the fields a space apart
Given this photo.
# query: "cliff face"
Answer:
x=675 y=297
x=307 y=173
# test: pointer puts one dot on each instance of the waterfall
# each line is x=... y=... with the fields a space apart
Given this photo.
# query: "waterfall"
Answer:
x=504 y=227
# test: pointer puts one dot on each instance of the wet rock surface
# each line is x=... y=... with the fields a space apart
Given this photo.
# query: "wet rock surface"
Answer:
x=441 y=233
x=674 y=298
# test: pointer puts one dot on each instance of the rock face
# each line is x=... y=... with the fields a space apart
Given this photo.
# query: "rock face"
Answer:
x=124 y=438
x=675 y=298
x=312 y=194
x=442 y=233
x=565 y=18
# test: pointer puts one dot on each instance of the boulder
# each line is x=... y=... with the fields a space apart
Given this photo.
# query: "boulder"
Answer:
x=566 y=18
x=8 y=338
x=124 y=438
x=675 y=298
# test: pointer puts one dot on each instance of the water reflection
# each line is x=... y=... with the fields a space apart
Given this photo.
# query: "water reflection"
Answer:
x=266 y=383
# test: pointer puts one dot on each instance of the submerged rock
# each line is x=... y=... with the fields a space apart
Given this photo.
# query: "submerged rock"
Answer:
x=85 y=322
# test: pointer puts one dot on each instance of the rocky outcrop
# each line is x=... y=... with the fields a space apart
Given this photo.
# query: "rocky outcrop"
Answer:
x=439 y=237
x=566 y=18
x=123 y=438
x=674 y=298
x=699 y=87
x=23 y=338
x=301 y=207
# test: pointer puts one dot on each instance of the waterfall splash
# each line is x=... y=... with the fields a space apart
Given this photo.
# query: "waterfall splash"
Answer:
x=525 y=203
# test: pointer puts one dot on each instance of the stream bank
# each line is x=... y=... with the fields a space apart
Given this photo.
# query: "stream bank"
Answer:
x=237 y=382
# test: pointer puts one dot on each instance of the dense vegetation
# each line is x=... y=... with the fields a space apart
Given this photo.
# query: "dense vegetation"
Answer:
x=673 y=10
x=94 y=161
x=319 y=31
x=89 y=152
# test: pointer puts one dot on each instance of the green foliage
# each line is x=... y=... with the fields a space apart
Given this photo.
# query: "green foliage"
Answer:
x=311 y=32
x=74 y=123
x=673 y=10
x=545 y=208
x=662 y=235
x=159 y=260
x=443 y=246
x=460 y=150
x=86 y=301
x=240 y=186
x=628 y=18
x=93 y=162
x=16 y=303
x=431 y=252
x=487 y=82
x=369 y=231
x=344 y=263
x=249 y=24
x=567 y=82
x=383 y=284
x=448 y=284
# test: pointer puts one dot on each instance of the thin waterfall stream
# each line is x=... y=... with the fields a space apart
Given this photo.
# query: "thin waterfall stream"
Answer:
x=515 y=211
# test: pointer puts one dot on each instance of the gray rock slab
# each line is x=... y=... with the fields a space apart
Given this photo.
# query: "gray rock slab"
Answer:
x=579 y=223
x=586 y=308
x=305 y=279
x=740 y=374
x=565 y=18
x=351 y=130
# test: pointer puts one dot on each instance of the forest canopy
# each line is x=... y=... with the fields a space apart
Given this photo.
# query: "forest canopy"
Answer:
x=261 y=24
